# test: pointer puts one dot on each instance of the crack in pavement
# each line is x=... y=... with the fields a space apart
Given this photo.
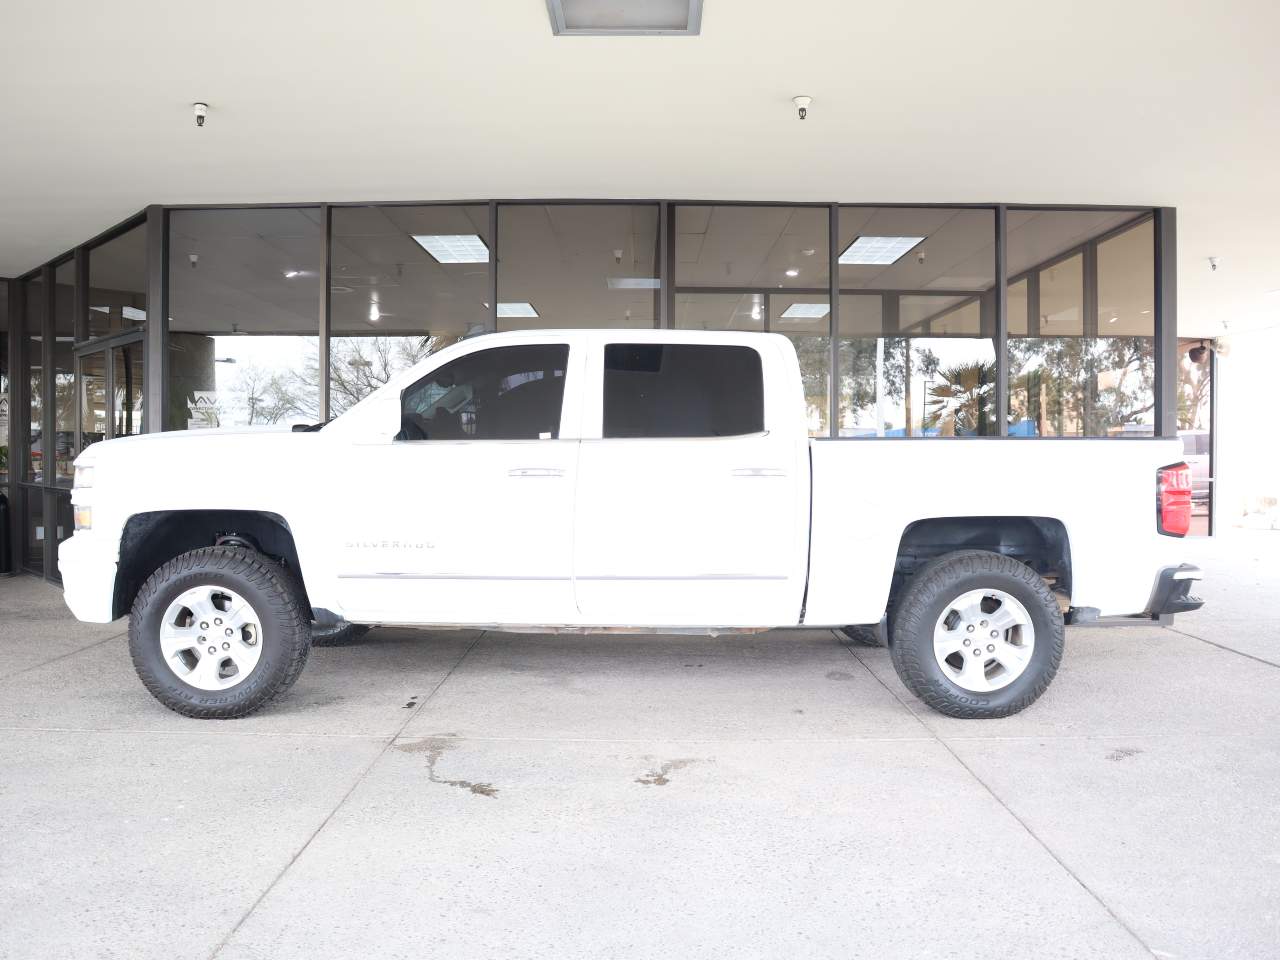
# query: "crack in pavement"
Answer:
x=1000 y=800
x=221 y=945
x=1239 y=653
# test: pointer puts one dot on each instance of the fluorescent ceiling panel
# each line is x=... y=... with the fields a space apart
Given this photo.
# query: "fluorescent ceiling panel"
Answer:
x=523 y=309
x=878 y=251
x=634 y=283
x=454 y=247
x=633 y=18
x=806 y=311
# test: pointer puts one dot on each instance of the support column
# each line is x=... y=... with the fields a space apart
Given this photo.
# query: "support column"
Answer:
x=1166 y=310
x=155 y=344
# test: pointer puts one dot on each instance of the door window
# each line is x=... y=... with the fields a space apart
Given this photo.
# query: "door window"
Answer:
x=682 y=390
x=505 y=393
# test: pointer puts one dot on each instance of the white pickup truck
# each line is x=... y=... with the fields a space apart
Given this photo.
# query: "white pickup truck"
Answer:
x=617 y=480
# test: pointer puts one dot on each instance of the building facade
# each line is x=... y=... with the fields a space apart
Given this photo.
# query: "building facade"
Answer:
x=926 y=321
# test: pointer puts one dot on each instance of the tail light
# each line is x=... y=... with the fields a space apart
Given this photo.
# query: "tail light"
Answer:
x=1173 y=513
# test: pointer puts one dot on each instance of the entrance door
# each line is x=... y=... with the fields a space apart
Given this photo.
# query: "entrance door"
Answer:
x=109 y=382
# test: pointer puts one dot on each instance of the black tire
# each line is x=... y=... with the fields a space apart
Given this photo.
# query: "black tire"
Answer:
x=337 y=635
x=864 y=634
x=285 y=640
x=936 y=585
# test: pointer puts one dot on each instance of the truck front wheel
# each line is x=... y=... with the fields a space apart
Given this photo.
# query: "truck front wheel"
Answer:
x=218 y=632
x=977 y=635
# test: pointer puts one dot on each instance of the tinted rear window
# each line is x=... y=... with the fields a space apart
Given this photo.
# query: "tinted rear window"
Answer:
x=682 y=390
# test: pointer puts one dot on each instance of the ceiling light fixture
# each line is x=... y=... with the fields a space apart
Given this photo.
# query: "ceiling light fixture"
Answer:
x=634 y=283
x=806 y=311
x=374 y=313
x=877 y=251
x=635 y=18
x=520 y=309
x=290 y=274
x=793 y=272
x=454 y=247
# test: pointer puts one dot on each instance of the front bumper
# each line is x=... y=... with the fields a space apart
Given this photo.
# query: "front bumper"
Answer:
x=88 y=569
x=1172 y=593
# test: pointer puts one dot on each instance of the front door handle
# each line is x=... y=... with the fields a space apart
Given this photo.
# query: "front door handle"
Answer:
x=535 y=472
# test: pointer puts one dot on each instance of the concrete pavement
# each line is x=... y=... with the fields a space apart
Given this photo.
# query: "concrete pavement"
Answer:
x=458 y=794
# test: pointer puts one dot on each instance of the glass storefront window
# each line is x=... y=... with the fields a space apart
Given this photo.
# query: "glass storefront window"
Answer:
x=4 y=382
x=917 y=351
x=405 y=282
x=33 y=294
x=751 y=246
x=720 y=311
x=244 y=306
x=805 y=319
x=64 y=373
x=578 y=265
x=1082 y=352
x=118 y=284
x=33 y=529
x=93 y=398
x=63 y=525
x=127 y=383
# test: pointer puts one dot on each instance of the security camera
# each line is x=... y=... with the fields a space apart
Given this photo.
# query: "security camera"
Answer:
x=201 y=111
x=802 y=105
x=920 y=258
x=617 y=257
x=1197 y=354
x=194 y=258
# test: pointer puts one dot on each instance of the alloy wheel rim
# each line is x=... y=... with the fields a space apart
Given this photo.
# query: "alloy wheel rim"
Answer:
x=983 y=640
x=211 y=637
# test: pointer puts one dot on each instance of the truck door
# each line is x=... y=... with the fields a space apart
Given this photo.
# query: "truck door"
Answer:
x=466 y=515
x=691 y=508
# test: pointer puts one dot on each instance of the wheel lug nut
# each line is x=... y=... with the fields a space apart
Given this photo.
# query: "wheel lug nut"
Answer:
x=990 y=648
x=994 y=634
x=969 y=628
x=229 y=631
x=217 y=622
x=202 y=639
x=204 y=625
x=213 y=649
x=967 y=641
x=977 y=651
x=984 y=623
x=226 y=646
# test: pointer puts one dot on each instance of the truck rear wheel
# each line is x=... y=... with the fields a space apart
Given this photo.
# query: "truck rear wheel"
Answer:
x=218 y=632
x=977 y=635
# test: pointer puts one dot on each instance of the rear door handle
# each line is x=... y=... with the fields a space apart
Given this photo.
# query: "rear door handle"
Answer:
x=535 y=472
x=758 y=472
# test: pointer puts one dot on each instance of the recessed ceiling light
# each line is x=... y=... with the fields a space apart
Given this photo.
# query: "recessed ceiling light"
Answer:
x=806 y=311
x=633 y=283
x=878 y=251
x=454 y=247
x=374 y=313
x=290 y=274
x=793 y=272
x=522 y=309
x=635 y=18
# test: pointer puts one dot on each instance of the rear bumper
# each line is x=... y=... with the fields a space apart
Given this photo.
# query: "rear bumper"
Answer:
x=1172 y=593
x=88 y=570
